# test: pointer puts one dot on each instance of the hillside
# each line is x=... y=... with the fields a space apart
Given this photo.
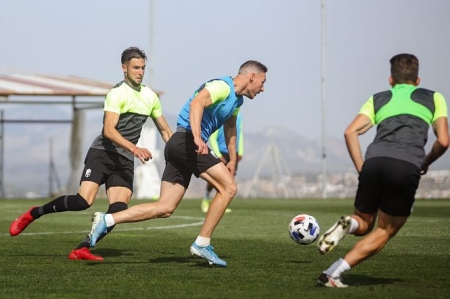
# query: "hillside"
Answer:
x=272 y=150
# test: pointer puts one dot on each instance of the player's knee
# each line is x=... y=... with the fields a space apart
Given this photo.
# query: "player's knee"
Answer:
x=228 y=191
x=392 y=233
x=76 y=203
x=363 y=229
x=232 y=190
x=366 y=224
x=165 y=214
x=165 y=211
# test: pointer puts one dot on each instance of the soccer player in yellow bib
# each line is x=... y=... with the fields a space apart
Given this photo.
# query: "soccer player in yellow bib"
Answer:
x=110 y=159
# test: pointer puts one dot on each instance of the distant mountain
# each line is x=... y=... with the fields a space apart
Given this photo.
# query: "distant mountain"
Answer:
x=277 y=145
x=273 y=149
x=279 y=149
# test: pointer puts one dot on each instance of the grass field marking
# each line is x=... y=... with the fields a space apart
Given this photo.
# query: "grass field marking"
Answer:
x=198 y=223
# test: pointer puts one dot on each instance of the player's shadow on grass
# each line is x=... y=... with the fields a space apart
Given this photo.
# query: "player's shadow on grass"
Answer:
x=106 y=252
x=173 y=258
x=196 y=261
x=367 y=280
x=302 y=262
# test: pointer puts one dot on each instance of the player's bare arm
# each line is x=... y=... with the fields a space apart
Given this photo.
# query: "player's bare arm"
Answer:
x=198 y=104
x=110 y=132
x=163 y=127
x=230 y=131
x=440 y=128
x=358 y=126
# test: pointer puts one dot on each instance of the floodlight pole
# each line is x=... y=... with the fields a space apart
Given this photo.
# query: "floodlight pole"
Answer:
x=50 y=170
x=2 y=147
x=151 y=46
x=323 y=46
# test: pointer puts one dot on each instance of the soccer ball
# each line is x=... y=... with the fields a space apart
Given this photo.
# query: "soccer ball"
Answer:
x=304 y=229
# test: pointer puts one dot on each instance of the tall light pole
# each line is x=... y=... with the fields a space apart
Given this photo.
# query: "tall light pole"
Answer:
x=151 y=41
x=323 y=95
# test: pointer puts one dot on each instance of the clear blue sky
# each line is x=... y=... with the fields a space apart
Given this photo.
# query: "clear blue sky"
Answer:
x=197 y=40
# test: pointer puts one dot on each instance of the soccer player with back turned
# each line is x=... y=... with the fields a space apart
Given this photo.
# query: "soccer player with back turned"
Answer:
x=394 y=161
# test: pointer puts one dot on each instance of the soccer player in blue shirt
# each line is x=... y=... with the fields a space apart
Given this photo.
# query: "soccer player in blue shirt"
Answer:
x=213 y=104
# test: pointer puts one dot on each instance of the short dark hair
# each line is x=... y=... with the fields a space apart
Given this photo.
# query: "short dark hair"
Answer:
x=132 y=52
x=404 y=68
x=252 y=65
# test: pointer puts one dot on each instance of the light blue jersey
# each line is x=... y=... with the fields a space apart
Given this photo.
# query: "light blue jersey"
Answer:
x=225 y=104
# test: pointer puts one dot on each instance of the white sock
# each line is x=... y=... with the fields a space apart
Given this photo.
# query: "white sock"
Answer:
x=109 y=220
x=353 y=226
x=202 y=241
x=337 y=268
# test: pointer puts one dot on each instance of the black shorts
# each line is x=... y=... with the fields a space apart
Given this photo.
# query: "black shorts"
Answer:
x=108 y=168
x=182 y=161
x=387 y=184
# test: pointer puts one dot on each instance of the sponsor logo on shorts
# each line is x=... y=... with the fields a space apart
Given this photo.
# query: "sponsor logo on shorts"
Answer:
x=88 y=173
x=214 y=155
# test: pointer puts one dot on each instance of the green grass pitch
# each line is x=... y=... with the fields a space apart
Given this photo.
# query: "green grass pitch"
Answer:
x=151 y=259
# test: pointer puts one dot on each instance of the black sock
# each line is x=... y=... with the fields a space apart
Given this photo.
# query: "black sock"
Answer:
x=113 y=208
x=61 y=204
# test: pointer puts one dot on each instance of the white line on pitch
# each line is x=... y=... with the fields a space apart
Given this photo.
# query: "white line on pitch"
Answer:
x=126 y=229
